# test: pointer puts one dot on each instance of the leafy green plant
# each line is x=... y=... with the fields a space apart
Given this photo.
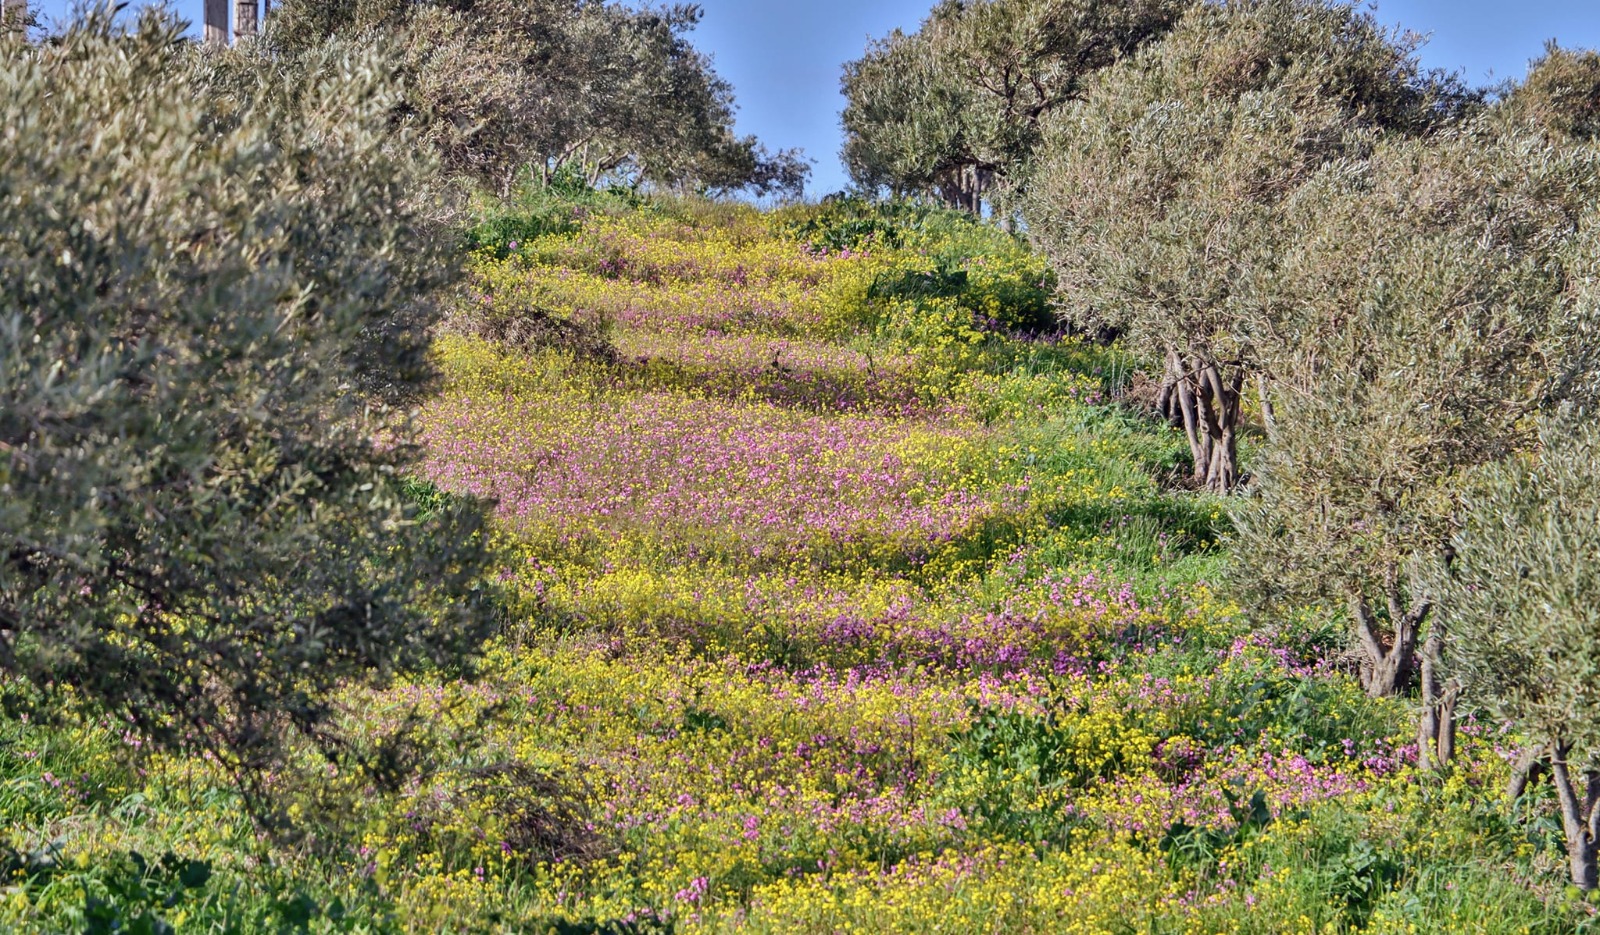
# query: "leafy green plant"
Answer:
x=1014 y=768
x=132 y=892
x=540 y=208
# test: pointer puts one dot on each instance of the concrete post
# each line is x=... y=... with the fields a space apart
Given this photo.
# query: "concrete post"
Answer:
x=246 y=18
x=13 y=11
x=216 y=17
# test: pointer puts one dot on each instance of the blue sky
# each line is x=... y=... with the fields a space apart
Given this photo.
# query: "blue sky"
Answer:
x=783 y=56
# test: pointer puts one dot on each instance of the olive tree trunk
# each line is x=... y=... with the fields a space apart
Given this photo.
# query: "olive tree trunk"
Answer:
x=1579 y=817
x=1205 y=398
x=1531 y=764
x=216 y=22
x=964 y=188
x=1436 y=734
x=1390 y=657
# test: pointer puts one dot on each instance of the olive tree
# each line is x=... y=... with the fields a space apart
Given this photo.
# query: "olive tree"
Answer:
x=202 y=527
x=500 y=86
x=1523 y=602
x=1561 y=93
x=902 y=124
x=1159 y=194
x=956 y=108
x=1428 y=314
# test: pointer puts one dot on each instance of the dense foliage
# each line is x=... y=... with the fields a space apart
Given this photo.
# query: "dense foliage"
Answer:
x=1520 y=597
x=1428 y=313
x=1161 y=195
x=201 y=526
x=502 y=86
x=1562 y=93
x=956 y=109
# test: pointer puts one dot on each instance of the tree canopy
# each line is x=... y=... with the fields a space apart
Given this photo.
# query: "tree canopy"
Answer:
x=499 y=86
x=207 y=300
x=1160 y=193
x=1561 y=93
x=1523 y=601
x=957 y=107
x=1425 y=313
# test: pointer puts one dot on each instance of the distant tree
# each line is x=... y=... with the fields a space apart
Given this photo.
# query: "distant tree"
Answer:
x=1159 y=195
x=208 y=256
x=1428 y=311
x=502 y=86
x=956 y=108
x=904 y=124
x=1561 y=93
x=743 y=164
x=1523 y=602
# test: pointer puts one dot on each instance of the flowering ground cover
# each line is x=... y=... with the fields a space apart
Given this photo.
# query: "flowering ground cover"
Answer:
x=837 y=599
x=753 y=481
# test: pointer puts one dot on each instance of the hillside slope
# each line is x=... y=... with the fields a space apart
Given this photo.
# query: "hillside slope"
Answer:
x=842 y=595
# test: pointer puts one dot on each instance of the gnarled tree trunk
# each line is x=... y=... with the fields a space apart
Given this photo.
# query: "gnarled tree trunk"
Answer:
x=1579 y=817
x=1209 y=397
x=1221 y=400
x=964 y=187
x=1529 y=767
x=1391 y=658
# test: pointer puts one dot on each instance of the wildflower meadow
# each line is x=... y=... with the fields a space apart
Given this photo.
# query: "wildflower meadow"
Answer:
x=837 y=594
x=453 y=479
